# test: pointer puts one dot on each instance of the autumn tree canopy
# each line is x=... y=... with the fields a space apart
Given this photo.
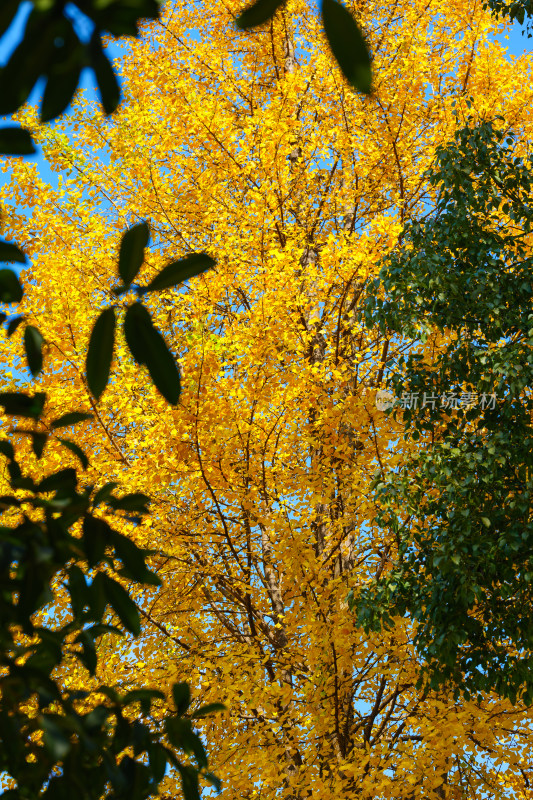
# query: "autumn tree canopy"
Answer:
x=254 y=150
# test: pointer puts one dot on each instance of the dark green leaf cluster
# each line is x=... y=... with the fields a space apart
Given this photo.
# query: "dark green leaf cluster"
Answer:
x=87 y=745
x=145 y=343
x=518 y=10
x=50 y=48
x=11 y=292
x=460 y=511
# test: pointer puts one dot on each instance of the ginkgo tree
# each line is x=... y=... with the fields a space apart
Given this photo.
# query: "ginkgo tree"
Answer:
x=88 y=750
x=254 y=151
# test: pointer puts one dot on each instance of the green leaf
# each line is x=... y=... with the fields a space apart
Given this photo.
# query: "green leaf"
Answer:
x=38 y=442
x=131 y=255
x=148 y=347
x=189 y=782
x=120 y=19
x=179 y=732
x=158 y=760
x=132 y=557
x=8 y=9
x=16 y=142
x=55 y=738
x=347 y=45
x=88 y=652
x=110 y=692
x=123 y=605
x=59 y=90
x=33 y=344
x=258 y=13
x=105 y=77
x=70 y=418
x=144 y=697
x=94 y=720
x=98 y=597
x=76 y=450
x=78 y=590
x=103 y=493
x=180 y=271
x=213 y=780
x=6 y=448
x=10 y=252
x=29 y=59
x=485 y=521
x=20 y=404
x=148 y=578
x=10 y=288
x=100 y=352
x=207 y=710
x=182 y=697
x=136 y=501
x=13 y=325
x=96 y=535
x=62 y=479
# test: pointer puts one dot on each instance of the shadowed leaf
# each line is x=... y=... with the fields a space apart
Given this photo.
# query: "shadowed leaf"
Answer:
x=100 y=353
x=8 y=9
x=59 y=91
x=347 y=45
x=182 y=697
x=38 y=442
x=10 y=288
x=16 y=142
x=20 y=404
x=148 y=347
x=106 y=79
x=123 y=605
x=33 y=345
x=180 y=271
x=131 y=254
x=70 y=418
x=76 y=450
x=258 y=13
x=207 y=710
x=13 y=324
x=10 y=252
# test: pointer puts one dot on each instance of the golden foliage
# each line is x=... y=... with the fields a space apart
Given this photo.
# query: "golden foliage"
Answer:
x=250 y=147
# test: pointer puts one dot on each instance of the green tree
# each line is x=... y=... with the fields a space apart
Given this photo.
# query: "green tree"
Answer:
x=459 y=287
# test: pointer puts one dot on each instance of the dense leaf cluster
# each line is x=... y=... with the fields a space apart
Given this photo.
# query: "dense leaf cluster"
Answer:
x=42 y=726
x=461 y=508
x=519 y=10
x=146 y=344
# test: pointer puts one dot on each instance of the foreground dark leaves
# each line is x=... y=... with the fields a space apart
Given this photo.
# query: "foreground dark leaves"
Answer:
x=83 y=733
